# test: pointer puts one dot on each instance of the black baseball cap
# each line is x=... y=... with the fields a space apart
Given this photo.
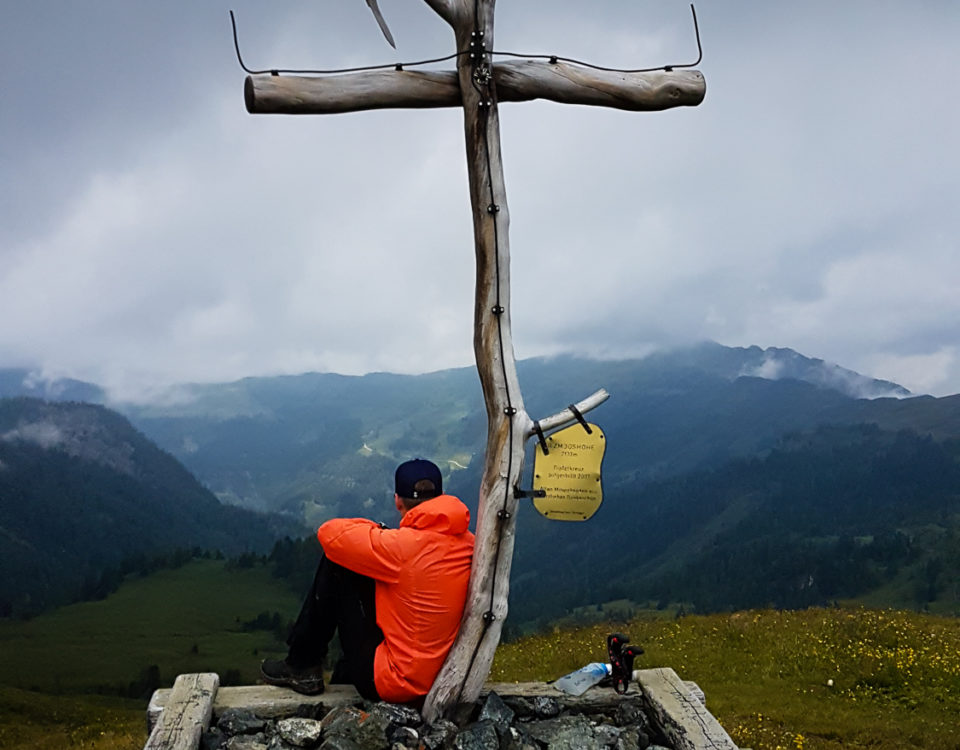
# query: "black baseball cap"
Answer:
x=418 y=470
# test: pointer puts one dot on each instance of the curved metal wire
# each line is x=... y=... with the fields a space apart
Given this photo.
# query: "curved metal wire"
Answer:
x=558 y=58
x=501 y=53
x=295 y=71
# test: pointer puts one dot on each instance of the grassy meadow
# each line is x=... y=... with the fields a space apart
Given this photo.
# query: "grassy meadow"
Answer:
x=36 y=721
x=183 y=620
x=64 y=674
x=819 y=678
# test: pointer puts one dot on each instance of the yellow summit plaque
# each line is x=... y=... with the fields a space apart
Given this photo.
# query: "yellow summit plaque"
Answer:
x=569 y=472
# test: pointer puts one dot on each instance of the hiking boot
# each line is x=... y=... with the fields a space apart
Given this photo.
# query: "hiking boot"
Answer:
x=308 y=681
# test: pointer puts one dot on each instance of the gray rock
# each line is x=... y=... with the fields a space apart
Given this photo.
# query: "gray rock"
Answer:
x=368 y=731
x=546 y=707
x=479 y=736
x=235 y=721
x=213 y=739
x=517 y=739
x=300 y=732
x=521 y=706
x=632 y=738
x=343 y=721
x=518 y=723
x=439 y=735
x=397 y=715
x=339 y=743
x=404 y=737
x=630 y=712
x=372 y=734
x=247 y=742
x=564 y=733
x=606 y=734
x=497 y=712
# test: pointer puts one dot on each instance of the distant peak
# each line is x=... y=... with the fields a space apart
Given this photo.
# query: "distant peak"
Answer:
x=776 y=363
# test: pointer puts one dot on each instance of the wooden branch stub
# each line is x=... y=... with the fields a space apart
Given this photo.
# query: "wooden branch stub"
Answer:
x=515 y=81
x=565 y=417
x=187 y=713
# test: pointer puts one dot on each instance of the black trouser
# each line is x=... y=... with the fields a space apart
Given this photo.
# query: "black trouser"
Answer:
x=341 y=601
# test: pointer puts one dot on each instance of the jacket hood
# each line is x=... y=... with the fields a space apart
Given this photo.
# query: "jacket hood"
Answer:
x=444 y=514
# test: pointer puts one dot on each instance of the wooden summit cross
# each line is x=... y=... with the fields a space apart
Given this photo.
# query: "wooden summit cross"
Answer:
x=478 y=85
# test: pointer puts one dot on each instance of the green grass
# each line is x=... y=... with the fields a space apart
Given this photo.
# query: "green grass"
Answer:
x=32 y=721
x=896 y=675
x=184 y=620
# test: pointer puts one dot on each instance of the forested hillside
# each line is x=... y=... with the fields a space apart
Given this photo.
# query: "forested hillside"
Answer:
x=842 y=512
x=84 y=497
x=321 y=445
x=732 y=478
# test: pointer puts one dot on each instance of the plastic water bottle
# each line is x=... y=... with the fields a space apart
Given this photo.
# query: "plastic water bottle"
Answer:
x=577 y=683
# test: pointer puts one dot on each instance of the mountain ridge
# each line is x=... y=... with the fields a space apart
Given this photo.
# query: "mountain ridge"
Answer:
x=771 y=363
x=82 y=492
x=320 y=445
x=285 y=442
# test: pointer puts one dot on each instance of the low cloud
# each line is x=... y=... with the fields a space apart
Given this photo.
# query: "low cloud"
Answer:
x=770 y=369
x=932 y=372
x=159 y=234
x=44 y=434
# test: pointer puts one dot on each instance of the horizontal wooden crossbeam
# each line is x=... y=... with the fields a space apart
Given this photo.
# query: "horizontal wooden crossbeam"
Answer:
x=515 y=82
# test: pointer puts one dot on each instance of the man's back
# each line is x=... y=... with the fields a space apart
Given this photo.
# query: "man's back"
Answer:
x=422 y=572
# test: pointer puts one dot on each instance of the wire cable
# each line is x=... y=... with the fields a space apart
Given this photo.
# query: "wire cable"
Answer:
x=318 y=71
x=492 y=53
x=581 y=63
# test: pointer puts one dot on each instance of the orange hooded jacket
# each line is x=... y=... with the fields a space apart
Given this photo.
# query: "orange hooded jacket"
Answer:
x=422 y=571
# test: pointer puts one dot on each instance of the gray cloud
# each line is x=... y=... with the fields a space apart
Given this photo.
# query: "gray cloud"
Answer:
x=45 y=434
x=153 y=232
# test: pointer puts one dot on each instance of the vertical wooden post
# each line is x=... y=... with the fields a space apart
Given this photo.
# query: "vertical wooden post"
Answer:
x=508 y=424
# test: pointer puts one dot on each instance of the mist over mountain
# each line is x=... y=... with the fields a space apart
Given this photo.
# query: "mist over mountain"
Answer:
x=82 y=492
x=776 y=364
x=22 y=382
x=703 y=443
x=319 y=445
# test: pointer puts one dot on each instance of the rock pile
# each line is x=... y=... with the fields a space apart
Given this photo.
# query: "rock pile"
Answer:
x=538 y=723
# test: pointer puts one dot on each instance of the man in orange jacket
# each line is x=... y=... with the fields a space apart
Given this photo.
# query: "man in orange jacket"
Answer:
x=395 y=596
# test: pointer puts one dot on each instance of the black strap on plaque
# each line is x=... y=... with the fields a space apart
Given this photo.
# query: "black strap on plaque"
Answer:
x=541 y=438
x=580 y=419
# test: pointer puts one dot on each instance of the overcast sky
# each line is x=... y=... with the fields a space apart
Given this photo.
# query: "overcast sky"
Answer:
x=152 y=232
